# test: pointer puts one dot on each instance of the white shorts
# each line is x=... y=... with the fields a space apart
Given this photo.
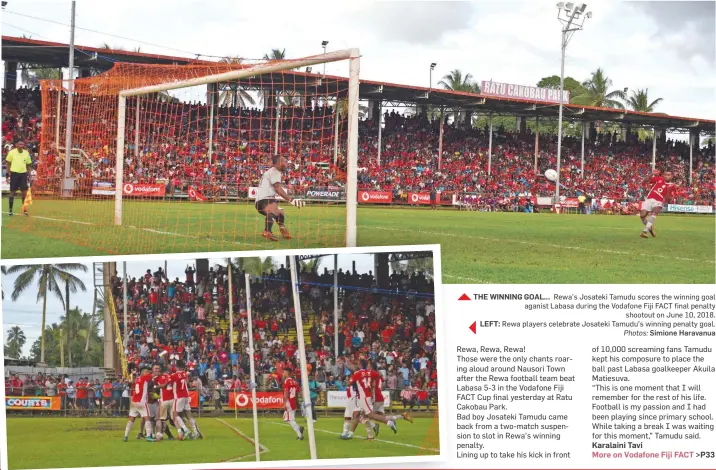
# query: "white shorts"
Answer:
x=165 y=409
x=153 y=410
x=351 y=407
x=379 y=407
x=138 y=409
x=651 y=204
x=365 y=404
x=182 y=404
x=289 y=415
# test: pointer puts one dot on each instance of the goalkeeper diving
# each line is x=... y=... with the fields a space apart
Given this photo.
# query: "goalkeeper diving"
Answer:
x=267 y=199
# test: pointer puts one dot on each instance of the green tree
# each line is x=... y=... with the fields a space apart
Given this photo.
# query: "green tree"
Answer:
x=639 y=101
x=254 y=265
x=424 y=265
x=573 y=86
x=234 y=96
x=276 y=54
x=269 y=96
x=52 y=334
x=49 y=279
x=597 y=92
x=310 y=265
x=456 y=80
x=15 y=341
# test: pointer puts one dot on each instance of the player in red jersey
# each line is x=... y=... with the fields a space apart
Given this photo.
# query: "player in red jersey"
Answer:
x=363 y=382
x=163 y=382
x=138 y=404
x=660 y=193
x=182 y=405
x=290 y=402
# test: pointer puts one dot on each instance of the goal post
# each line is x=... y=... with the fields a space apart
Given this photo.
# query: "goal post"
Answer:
x=248 y=72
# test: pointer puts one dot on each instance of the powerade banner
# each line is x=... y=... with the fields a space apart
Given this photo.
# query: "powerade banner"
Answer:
x=420 y=198
x=690 y=209
x=102 y=188
x=32 y=403
x=143 y=190
x=375 y=197
x=336 y=399
x=264 y=400
x=326 y=194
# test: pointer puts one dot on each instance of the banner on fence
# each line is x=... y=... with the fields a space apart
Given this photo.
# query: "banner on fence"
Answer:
x=336 y=399
x=375 y=197
x=264 y=400
x=143 y=190
x=690 y=209
x=32 y=403
x=103 y=188
x=193 y=398
x=326 y=194
x=420 y=198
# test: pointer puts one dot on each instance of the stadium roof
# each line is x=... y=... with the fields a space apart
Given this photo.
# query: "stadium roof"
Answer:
x=54 y=54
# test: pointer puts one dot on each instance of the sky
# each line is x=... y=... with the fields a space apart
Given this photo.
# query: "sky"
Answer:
x=666 y=47
x=26 y=312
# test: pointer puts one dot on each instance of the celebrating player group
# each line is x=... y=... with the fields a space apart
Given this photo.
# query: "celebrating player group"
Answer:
x=161 y=398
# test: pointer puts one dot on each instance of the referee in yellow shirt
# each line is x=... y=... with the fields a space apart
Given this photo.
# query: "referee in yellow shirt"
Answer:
x=18 y=160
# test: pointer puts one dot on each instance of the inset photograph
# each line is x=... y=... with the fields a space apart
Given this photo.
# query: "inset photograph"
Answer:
x=291 y=356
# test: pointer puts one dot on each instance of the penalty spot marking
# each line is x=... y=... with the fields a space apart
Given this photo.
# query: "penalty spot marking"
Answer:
x=363 y=438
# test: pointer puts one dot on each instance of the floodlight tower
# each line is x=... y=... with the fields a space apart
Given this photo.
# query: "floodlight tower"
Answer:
x=432 y=67
x=572 y=18
x=324 y=44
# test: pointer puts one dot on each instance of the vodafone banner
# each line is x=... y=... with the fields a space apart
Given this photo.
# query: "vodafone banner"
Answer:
x=507 y=90
x=143 y=190
x=375 y=197
x=336 y=399
x=419 y=198
x=252 y=192
x=264 y=400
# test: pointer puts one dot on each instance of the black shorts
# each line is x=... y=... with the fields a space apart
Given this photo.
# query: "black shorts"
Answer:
x=18 y=181
x=262 y=203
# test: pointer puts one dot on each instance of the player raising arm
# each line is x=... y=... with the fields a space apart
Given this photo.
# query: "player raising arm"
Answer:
x=267 y=201
x=290 y=402
x=662 y=189
x=138 y=404
x=182 y=403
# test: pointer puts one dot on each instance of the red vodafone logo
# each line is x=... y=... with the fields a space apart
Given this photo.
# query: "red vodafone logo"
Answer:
x=128 y=188
x=365 y=197
x=414 y=197
x=242 y=400
x=192 y=193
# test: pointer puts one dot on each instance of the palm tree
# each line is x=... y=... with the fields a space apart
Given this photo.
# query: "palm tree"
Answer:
x=597 y=92
x=255 y=266
x=270 y=97
x=639 y=101
x=15 y=341
x=310 y=266
x=49 y=278
x=70 y=287
x=234 y=96
x=276 y=54
x=456 y=81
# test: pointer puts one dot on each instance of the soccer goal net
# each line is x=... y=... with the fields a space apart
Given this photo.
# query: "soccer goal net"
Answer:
x=169 y=158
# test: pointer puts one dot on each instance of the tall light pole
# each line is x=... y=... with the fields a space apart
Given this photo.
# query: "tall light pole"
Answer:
x=432 y=67
x=572 y=19
x=68 y=183
x=324 y=44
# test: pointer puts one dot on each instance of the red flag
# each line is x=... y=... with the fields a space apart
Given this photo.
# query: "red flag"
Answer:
x=195 y=195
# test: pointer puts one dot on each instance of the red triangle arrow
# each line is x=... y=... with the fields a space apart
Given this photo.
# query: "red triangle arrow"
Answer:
x=464 y=297
x=473 y=327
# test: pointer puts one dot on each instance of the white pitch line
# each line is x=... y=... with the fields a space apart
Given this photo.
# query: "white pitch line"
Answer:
x=363 y=438
x=150 y=230
x=474 y=281
x=524 y=242
x=263 y=448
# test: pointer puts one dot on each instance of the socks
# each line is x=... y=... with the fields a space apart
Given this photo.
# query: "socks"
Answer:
x=650 y=222
x=192 y=421
x=11 y=200
x=128 y=429
x=269 y=222
x=180 y=424
x=369 y=429
x=394 y=417
x=296 y=428
x=346 y=427
x=148 y=428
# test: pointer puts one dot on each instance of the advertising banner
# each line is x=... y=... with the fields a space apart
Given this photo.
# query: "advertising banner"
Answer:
x=336 y=399
x=103 y=188
x=32 y=403
x=507 y=90
x=375 y=197
x=325 y=194
x=690 y=209
x=143 y=190
x=419 y=198
x=254 y=190
x=570 y=202
x=5 y=185
x=193 y=398
x=264 y=400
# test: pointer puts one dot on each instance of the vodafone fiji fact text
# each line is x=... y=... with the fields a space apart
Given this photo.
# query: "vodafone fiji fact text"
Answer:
x=583 y=376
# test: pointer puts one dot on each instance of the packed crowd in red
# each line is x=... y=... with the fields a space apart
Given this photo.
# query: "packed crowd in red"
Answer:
x=392 y=323
x=245 y=138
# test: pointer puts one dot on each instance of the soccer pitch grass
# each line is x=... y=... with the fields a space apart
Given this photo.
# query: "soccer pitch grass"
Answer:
x=477 y=247
x=95 y=442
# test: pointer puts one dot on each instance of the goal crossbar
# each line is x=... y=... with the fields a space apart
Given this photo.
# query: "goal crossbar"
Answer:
x=353 y=55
